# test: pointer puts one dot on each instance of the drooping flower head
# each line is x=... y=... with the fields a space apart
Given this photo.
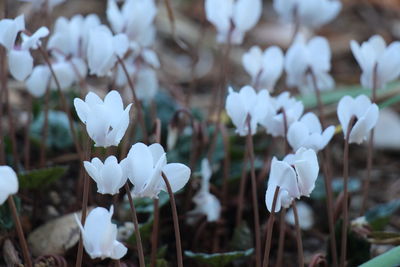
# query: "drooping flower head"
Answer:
x=109 y=176
x=295 y=176
x=365 y=116
x=307 y=133
x=135 y=19
x=265 y=68
x=247 y=104
x=100 y=235
x=233 y=18
x=106 y=121
x=309 y=13
x=303 y=59
x=104 y=48
x=144 y=165
x=379 y=64
x=8 y=183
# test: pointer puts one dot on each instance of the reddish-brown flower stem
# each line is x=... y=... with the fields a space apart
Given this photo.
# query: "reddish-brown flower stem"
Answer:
x=270 y=227
x=242 y=189
x=20 y=232
x=370 y=153
x=176 y=222
x=298 y=235
x=327 y=172
x=64 y=103
x=42 y=156
x=345 y=194
x=136 y=224
x=257 y=229
x=27 y=140
x=154 y=234
x=135 y=100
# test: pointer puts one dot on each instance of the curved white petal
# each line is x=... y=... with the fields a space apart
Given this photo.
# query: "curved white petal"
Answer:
x=178 y=175
x=20 y=63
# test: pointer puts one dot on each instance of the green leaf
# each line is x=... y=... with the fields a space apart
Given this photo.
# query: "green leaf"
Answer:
x=218 y=259
x=41 y=178
x=387 y=259
x=379 y=215
x=145 y=232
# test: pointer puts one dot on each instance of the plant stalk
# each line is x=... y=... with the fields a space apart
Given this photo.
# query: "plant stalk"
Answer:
x=176 y=222
x=345 y=194
x=298 y=236
x=20 y=232
x=270 y=227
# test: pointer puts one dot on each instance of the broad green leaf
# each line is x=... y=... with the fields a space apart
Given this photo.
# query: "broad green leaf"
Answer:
x=40 y=178
x=218 y=259
x=387 y=259
x=379 y=215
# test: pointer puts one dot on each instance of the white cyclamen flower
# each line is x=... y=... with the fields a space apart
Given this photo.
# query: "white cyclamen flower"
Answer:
x=305 y=163
x=307 y=133
x=379 y=64
x=144 y=165
x=20 y=61
x=8 y=183
x=103 y=49
x=265 y=68
x=240 y=105
x=365 y=116
x=233 y=18
x=135 y=19
x=109 y=176
x=100 y=235
x=106 y=121
x=70 y=36
x=9 y=29
x=303 y=58
x=295 y=175
x=309 y=13
x=284 y=176
x=206 y=203
x=286 y=109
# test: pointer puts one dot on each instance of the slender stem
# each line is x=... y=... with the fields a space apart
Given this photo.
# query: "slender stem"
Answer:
x=282 y=224
x=27 y=140
x=227 y=163
x=281 y=242
x=20 y=232
x=330 y=206
x=117 y=263
x=136 y=224
x=83 y=219
x=250 y=151
x=369 y=168
x=135 y=100
x=298 y=230
x=242 y=189
x=154 y=234
x=345 y=193
x=45 y=127
x=270 y=226
x=176 y=222
x=64 y=103
x=327 y=172
x=370 y=147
